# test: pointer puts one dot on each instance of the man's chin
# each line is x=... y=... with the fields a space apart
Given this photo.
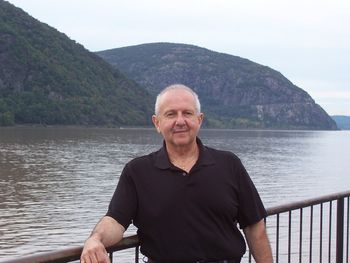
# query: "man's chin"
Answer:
x=182 y=141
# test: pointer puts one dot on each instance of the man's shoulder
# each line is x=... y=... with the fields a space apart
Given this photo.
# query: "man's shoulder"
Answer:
x=143 y=159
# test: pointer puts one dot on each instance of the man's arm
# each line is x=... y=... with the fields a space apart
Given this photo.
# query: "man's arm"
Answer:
x=258 y=242
x=106 y=233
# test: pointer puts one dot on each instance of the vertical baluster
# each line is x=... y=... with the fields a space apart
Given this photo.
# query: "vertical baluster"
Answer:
x=289 y=236
x=277 y=235
x=347 y=233
x=137 y=254
x=321 y=230
x=340 y=231
x=330 y=232
x=311 y=231
x=301 y=235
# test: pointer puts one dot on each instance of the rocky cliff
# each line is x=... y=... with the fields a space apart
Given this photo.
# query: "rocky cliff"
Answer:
x=235 y=92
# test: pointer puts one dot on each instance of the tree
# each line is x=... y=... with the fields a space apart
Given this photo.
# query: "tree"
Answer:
x=7 y=119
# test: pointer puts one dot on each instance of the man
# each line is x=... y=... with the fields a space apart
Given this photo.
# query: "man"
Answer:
x=185 y=199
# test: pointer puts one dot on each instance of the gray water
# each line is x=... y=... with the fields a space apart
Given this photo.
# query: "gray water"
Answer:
x=55 y=183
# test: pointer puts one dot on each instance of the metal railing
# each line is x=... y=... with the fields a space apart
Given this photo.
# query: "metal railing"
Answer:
x=73 y=253
x=311 y=223
x=313 y=230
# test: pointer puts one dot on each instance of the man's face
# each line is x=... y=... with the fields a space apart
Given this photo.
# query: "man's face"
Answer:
x=178 y=120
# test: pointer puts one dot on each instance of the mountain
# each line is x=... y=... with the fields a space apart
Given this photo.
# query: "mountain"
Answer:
x=234 y=92
x=47 y=78
x=343 y=122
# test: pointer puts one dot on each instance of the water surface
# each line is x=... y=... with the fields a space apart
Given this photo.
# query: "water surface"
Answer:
x=55 y=183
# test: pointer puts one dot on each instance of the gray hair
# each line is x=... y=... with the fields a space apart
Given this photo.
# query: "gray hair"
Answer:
x=175 y=87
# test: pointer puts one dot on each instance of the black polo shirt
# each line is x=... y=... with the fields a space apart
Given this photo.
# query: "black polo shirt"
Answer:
x=187 y=217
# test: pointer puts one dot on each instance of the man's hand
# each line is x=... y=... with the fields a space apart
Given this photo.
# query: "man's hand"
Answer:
x=94 y=252
x=106 y=233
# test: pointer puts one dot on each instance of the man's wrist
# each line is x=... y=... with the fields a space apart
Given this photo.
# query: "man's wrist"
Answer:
x=96 y=236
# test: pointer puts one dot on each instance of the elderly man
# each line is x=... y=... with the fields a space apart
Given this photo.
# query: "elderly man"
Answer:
x=186 y=199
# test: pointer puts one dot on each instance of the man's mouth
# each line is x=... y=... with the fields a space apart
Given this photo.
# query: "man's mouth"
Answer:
x=180 y=130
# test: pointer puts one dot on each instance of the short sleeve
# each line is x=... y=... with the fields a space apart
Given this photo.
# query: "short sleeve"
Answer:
x=123 y=204
x=251 y=209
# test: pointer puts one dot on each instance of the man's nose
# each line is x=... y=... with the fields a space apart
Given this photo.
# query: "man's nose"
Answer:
x=180 y=120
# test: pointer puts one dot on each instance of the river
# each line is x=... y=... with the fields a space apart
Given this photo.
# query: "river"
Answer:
x=56 y=182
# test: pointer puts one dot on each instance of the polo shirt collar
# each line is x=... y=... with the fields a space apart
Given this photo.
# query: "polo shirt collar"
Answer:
x=162 y=160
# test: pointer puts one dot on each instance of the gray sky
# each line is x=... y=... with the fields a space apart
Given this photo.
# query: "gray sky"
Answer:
x=308 y=41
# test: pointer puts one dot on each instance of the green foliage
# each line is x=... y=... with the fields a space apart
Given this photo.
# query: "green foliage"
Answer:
x=234 y=92
x=46 y=78
x=7 y=119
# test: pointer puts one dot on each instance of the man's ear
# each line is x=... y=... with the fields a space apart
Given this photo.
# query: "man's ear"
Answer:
x=155 y=121
x=200 y=118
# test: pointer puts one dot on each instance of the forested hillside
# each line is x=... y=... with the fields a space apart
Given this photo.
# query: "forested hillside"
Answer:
x=235 y=92
x=47 y=78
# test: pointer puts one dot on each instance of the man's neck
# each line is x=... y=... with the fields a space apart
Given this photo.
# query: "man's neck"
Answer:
x=183 y=152
x=184 y=157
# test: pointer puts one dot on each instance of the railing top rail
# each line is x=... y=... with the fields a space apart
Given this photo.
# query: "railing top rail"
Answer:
x=73 y=253
x=62 y=255
x=305 y=203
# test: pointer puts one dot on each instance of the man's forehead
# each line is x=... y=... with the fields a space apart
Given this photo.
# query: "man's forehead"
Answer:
x=178 y=95
x=176 y=101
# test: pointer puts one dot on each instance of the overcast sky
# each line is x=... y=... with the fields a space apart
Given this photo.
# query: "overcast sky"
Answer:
x=308 y=41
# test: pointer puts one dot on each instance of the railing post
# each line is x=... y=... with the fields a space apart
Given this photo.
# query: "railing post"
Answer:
x=340 y=230
x=137 y=254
